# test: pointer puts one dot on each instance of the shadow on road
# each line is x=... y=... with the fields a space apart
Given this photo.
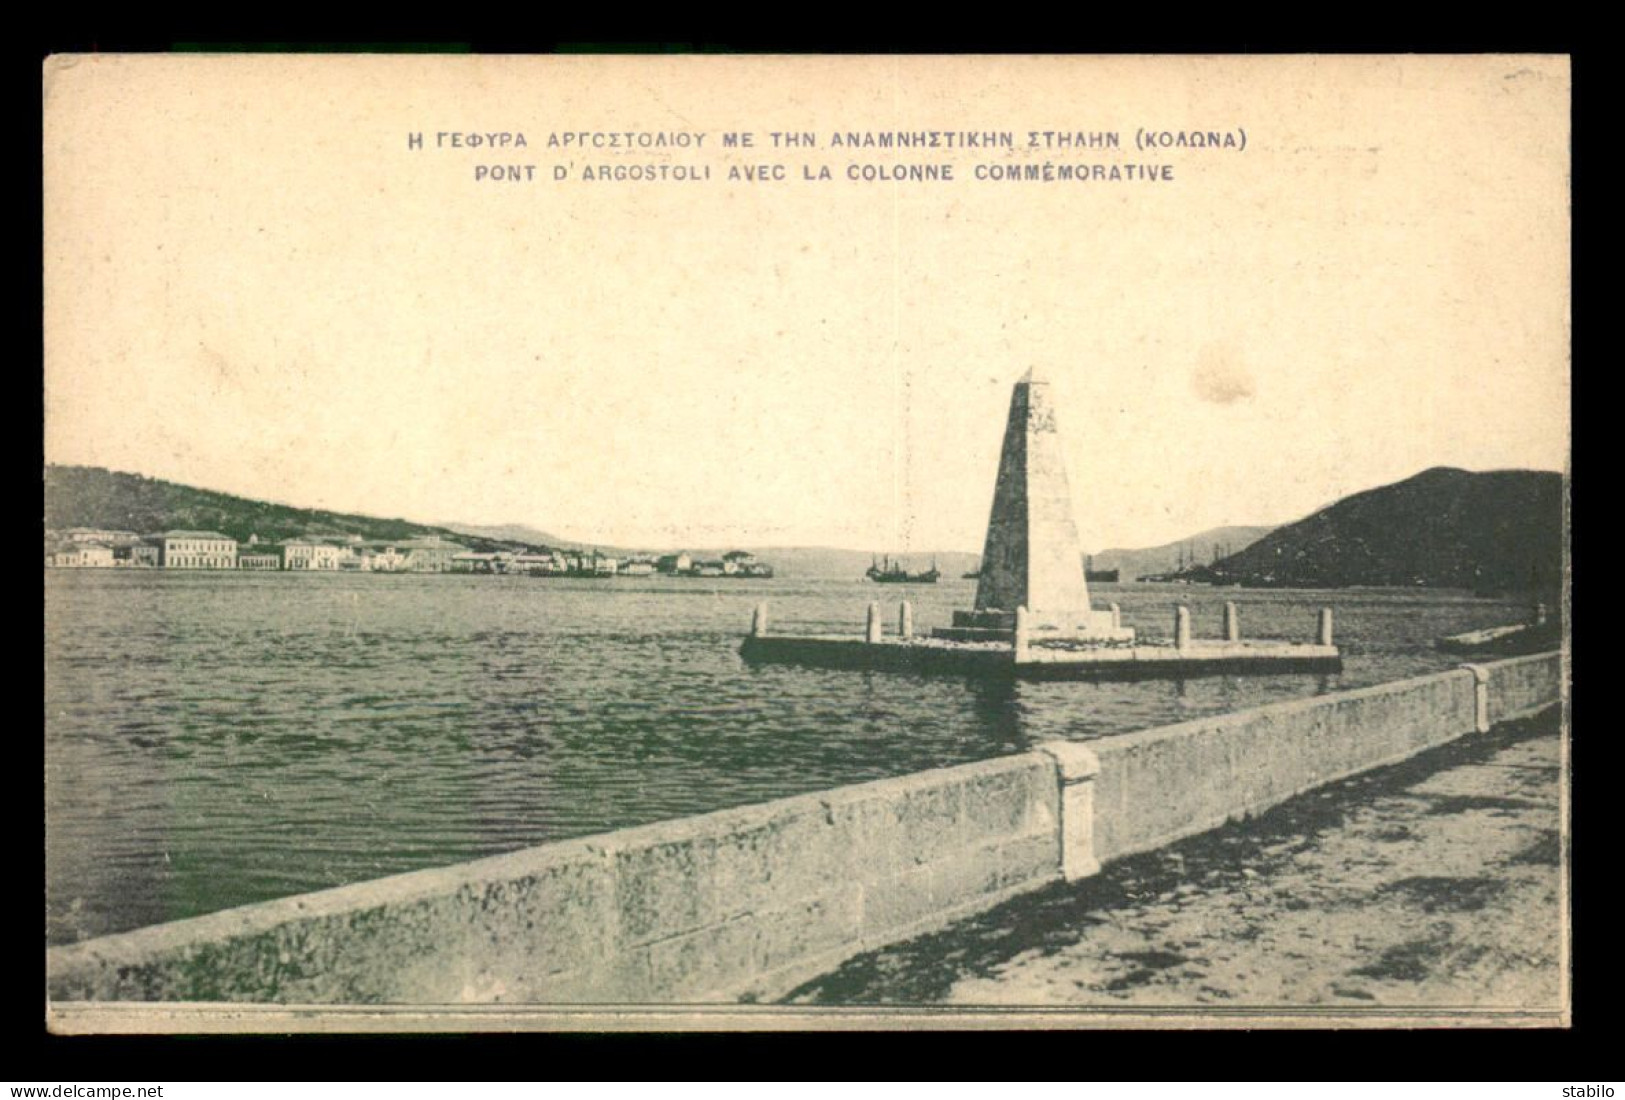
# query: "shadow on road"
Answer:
x=925 y=969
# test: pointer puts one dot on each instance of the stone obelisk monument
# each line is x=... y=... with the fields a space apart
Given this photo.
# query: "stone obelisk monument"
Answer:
x=1031 y=558
x=1032 y=616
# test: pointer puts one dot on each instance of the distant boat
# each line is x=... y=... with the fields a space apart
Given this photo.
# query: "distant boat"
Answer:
x=889 y=572
x=1103 y=576
x=973 y=575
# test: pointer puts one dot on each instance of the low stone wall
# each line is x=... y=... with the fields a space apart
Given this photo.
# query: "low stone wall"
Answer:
x=718 y=907
x=748 y=903
x=1158 y=785
x=1523 y=685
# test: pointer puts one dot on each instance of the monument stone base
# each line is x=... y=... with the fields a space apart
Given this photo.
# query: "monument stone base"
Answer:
x=1000 y=626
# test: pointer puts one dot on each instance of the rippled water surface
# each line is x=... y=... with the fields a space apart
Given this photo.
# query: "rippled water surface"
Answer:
x=217 y=739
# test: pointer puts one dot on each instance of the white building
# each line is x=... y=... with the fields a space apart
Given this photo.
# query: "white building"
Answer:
x=430 y=555
x=198 y=550
x=383 y=559
x=470 y=561
x=675 y=563
x=309 y=555
x=84 y=555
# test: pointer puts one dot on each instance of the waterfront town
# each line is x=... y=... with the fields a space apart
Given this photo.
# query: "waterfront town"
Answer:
x=92 y=548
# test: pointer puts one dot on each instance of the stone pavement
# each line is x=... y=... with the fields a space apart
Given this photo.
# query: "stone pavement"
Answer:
x=1434 y=882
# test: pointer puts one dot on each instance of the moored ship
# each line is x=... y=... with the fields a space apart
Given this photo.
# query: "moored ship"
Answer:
x=890 y=572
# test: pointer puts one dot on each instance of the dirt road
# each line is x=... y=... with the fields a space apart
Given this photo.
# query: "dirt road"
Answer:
x=1435 y=882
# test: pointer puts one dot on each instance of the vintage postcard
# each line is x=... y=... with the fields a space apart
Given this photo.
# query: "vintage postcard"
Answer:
x=792 y=542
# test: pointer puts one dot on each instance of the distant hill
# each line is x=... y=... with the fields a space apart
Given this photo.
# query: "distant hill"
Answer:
x=1500 y=531
x=87 y=496
x=1203 y=548
x=832 y=563
x=515 y=533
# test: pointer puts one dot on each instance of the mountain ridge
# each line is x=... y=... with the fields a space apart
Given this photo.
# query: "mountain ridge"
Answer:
x=1204 y=546
x=90 y=496
x=1493 y=531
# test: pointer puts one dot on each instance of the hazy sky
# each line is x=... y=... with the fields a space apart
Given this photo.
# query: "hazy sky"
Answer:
x=254 y=284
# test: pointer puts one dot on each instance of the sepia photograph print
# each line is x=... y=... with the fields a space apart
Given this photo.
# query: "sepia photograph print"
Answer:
x=762 y=542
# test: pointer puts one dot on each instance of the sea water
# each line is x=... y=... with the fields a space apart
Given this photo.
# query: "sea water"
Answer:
x=214 y=739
